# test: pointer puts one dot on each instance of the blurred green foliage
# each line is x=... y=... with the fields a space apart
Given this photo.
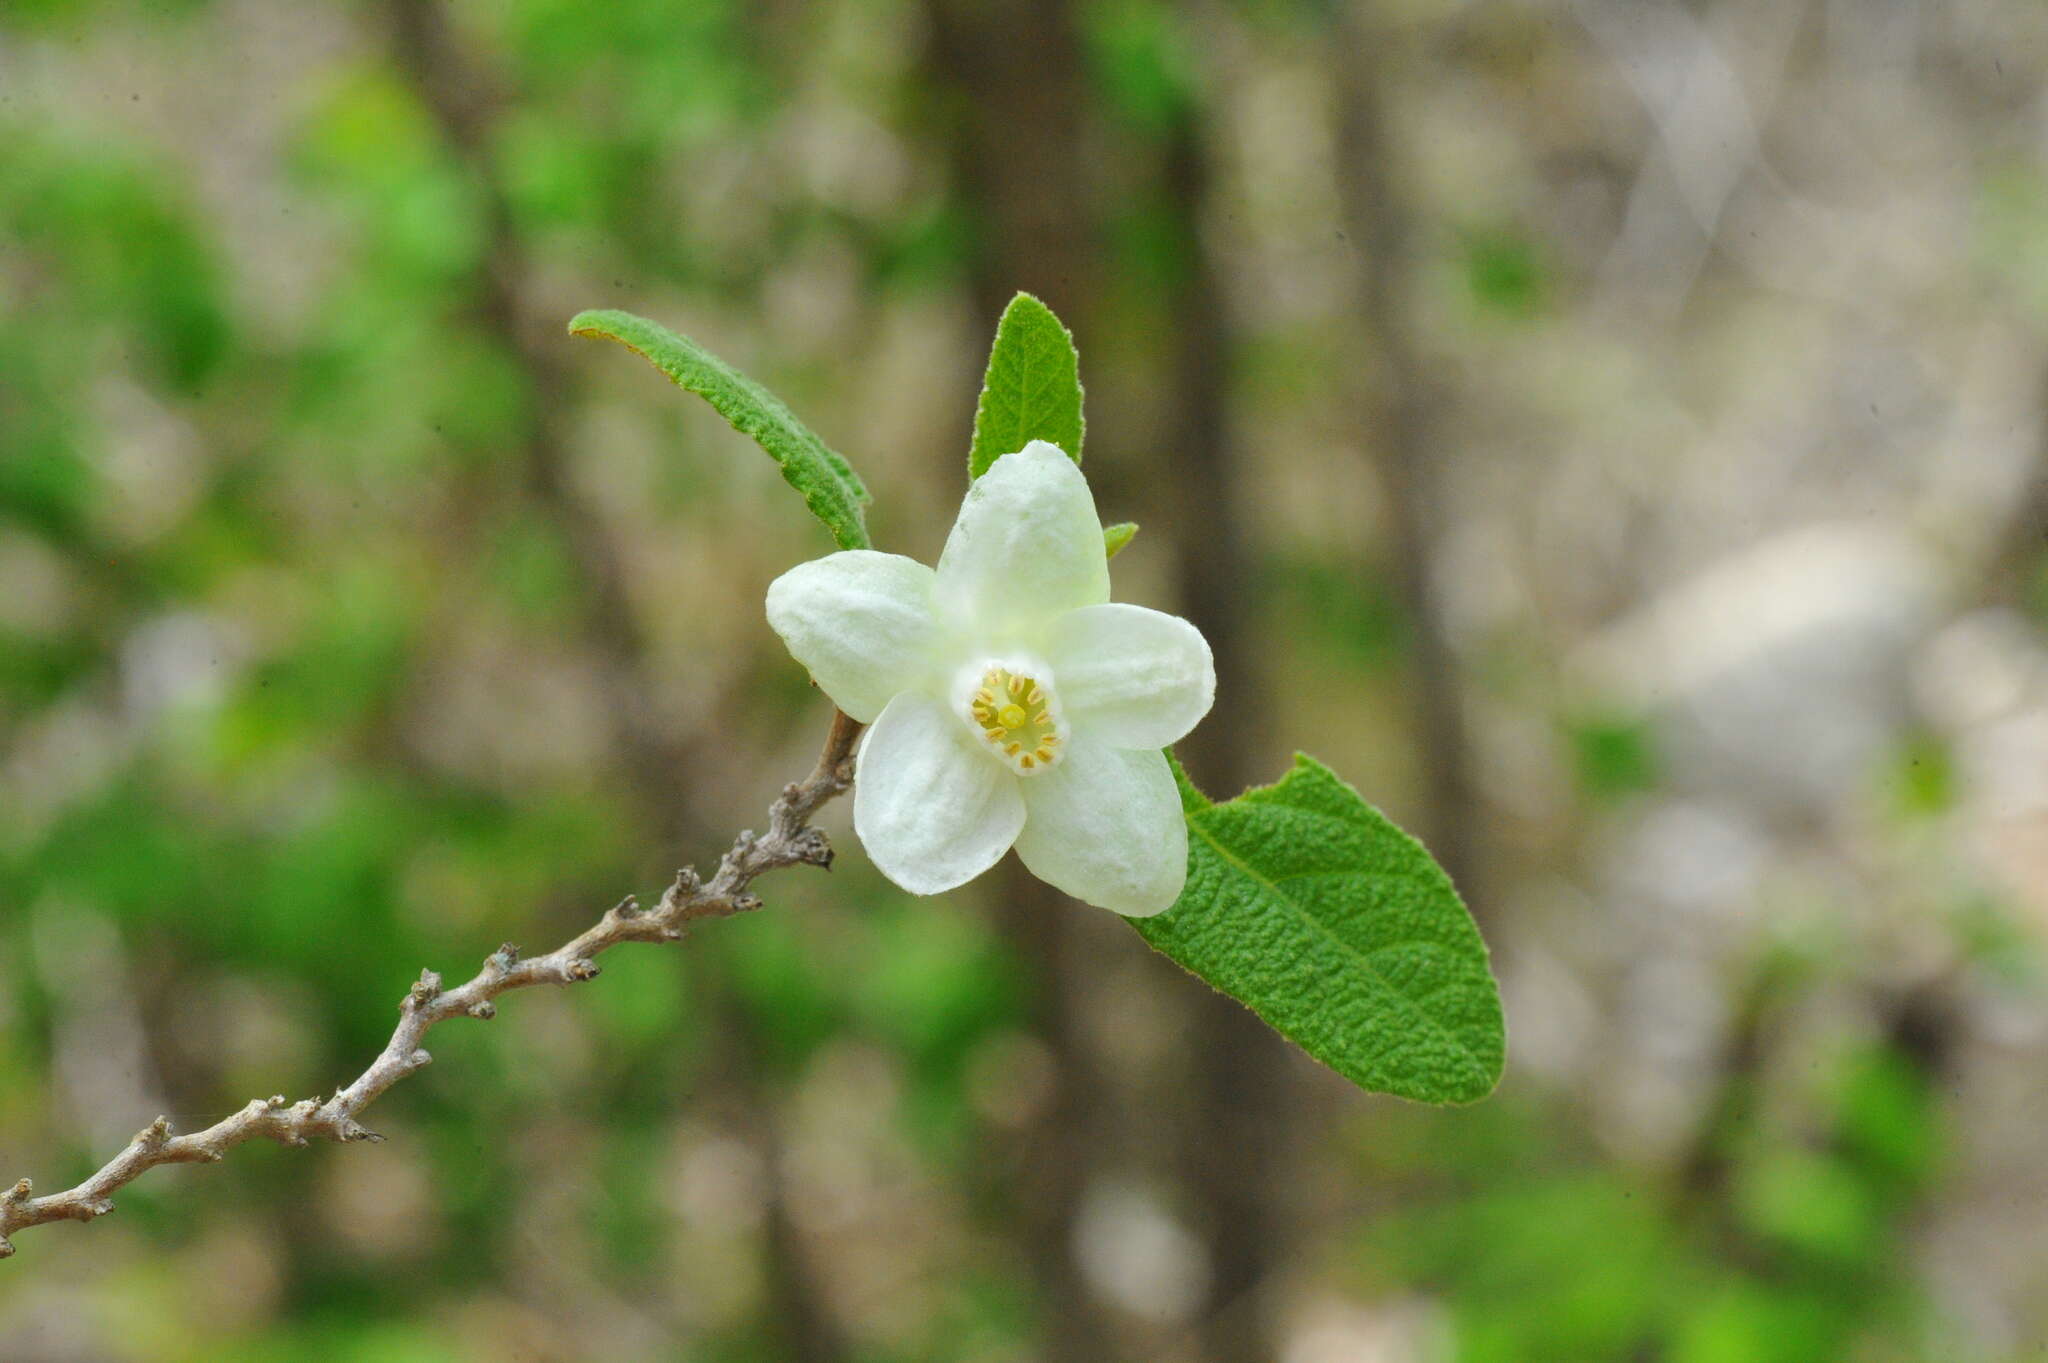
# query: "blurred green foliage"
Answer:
x=1771 y=1246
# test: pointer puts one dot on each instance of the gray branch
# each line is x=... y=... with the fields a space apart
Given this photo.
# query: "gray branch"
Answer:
x=789 y=841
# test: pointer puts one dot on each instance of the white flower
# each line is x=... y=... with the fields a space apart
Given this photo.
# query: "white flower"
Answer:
x=1013 y=704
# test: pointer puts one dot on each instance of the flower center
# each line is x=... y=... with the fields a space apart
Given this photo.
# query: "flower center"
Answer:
x=1018 y=716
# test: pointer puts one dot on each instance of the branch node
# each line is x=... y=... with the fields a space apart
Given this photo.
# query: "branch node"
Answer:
x=687 y=882
x=353 y=1130
x=504 y=958
x=153 y=1136
x=6 y=1247
x=418 y=1060
x=277 y=1102
x=629 y=907
x=93 y=1208
x=813 y=848
x=20 y=1192
x=483 y=1010
x=425 y=992
x=581 y=970
x=745 y=903
x=671 y=934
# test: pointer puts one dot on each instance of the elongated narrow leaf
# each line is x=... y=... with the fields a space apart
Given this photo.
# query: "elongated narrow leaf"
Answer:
x=1032 y=390
x=830 y=487
x=1306 y=905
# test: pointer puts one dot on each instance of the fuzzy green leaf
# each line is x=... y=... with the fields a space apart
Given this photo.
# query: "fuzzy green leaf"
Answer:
x=830 y=487
x=1306 y=905
x=1032 y=390
x=1115 y=537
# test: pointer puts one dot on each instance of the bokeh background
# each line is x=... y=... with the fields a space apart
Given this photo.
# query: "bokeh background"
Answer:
x=1610 y=432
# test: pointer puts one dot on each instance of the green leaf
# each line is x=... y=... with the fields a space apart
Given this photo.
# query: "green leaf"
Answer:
x=1115 y=537
x=830 y=487
x=1032 y=390
x=1306 y=905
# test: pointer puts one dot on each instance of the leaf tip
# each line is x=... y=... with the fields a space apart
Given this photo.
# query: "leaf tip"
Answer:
x=1026 y=301
x=592 y=322
x=1115 y=537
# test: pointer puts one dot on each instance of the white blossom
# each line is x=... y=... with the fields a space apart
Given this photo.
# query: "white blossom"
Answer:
x=1012 y=703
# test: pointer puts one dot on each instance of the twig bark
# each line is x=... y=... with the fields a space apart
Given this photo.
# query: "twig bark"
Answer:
x=789 y=841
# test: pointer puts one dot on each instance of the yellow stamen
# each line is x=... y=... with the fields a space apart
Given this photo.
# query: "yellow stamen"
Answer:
x=1018 y=716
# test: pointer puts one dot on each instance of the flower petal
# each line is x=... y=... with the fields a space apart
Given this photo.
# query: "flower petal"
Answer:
x=1027 y=546
x=933 y=810
x=1131 y=677
x=862 y=622
x=1105 y=826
